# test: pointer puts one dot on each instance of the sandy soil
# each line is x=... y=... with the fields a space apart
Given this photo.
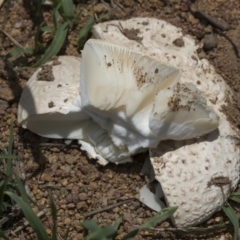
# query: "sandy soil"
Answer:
x=80 y=185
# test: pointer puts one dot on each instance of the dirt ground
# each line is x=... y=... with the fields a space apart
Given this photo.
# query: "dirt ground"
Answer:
x=80 y=185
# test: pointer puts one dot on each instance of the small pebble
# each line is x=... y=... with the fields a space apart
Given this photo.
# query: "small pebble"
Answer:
x=99 y=8
x=184 y=7
x=218 y=219
x=82 y=205
x=210 y=41
x=67 y=221
x=70 y=206
x=83 y=196
x=3 y=105
x=64 y=182
x=18 y=25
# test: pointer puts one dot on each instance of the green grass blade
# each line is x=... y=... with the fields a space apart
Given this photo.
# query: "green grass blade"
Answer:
x=56 y=3
x=68 y=9
x=39 y=12
x=57 y=43
x=18 y=51
x=65 y=237
x=103 y=17
x=131 y=234
x=32 y=218
x=38 y=47
x=55 y=16
x=22 y=191
x=166 y=213
x=10 y=141
x=97 y=232
x=117 y=223
x=229 y=211
x=47 y=29
x=84 y=31
x=10 y=147
x=78 y=12
x=236 y=194
x=3 y=236
x=4 y=156
x=54 y=216
x=3 y=186
x=105 y=232
x=235 y=198
x=65 y=8
x=90 y=225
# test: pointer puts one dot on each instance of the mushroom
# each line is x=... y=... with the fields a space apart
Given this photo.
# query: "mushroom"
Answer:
x=50 y=106
x=198 y=175
x=152 y=88
x=141 y=101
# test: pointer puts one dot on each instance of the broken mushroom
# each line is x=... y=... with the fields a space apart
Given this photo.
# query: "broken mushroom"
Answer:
x=197 y=175
x=137 y=96
x=139 y=100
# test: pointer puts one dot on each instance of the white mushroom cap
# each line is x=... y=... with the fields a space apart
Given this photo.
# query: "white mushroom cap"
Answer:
x=194 y=174
x=50 y=106
x=197 y=175
x=189 y=117
x=150 y=33
x=135 y=101
x=166 y=43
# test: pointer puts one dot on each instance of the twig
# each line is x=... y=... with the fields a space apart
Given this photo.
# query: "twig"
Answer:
x=26 y=223
x=11 y=38
x=9 y=216
x=22 y=236
x=60 y=236
x=109 y=207
x=106 y=5
x=52 y=145
x=96 y=17
x=3 y=150
x=3 y=173
x=57 y=186
x=194 y=230
x=213 y=21
x=115 y=4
